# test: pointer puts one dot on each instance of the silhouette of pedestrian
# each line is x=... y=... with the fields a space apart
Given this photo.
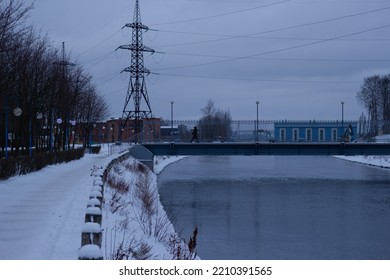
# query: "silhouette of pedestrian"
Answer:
x=195 y=135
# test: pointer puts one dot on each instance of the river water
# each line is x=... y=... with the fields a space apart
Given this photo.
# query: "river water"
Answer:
x=279 y=207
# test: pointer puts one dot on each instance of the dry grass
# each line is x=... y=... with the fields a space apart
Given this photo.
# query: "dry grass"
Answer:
x=118 y=183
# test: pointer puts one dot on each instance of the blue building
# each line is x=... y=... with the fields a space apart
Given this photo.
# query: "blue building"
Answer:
x=315 y=131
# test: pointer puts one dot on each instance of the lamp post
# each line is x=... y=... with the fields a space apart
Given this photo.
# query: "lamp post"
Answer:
x=103 y=130
x=39 y=117
x=342 y=119
x=73 y=133
x=58 y=134
x=257 y=121
x=172 y=121
x=17 y=112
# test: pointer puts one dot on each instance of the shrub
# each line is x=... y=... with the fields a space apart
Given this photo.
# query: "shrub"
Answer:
x=95 y=149
x=25 y=164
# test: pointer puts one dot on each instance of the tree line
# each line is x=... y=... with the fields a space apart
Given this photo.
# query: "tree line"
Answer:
x=53 y=94
x=374 y=95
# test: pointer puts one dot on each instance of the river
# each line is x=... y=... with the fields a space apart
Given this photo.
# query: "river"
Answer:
x=279 y=207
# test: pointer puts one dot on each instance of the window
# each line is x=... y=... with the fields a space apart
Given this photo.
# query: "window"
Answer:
x=295 y=134
x=308 y=134
x=321 y=134
x=334 y=134
x=282 y=134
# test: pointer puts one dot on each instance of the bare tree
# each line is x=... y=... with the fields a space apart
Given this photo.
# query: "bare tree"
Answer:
x=34 y=78
x=374 y=94
x=92 y=109
x=215 y=125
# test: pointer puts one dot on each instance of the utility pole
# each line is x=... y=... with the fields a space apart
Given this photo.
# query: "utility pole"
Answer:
x=342 y=119
x=173 y=136
x=137 y=86
x=64 y=63
x=257 y=121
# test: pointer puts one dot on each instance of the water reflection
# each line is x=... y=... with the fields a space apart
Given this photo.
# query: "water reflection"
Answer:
x=280 y=207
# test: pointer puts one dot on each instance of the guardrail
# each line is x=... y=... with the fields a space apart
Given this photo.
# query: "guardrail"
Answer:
x=92 y=231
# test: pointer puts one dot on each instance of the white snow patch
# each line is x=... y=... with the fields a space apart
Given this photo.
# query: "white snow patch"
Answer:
x=160 y=162
x=378 y=161
x=90 y=252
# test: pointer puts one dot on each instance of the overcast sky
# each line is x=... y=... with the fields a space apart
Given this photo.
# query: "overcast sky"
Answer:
x=299 y=58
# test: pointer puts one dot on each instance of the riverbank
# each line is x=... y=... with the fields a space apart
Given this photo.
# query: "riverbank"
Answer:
x=377 y=161
x=135 y=224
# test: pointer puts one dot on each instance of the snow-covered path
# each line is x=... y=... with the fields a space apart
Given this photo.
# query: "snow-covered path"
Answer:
x=41 y=214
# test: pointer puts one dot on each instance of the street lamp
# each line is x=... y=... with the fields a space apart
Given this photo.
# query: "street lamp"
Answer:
x=172 y=121
x=17 y=112
x=342 y=119
x=39 y=117
x=257 y=121
x=57 y=134
x=103 y=130
x=73 y=124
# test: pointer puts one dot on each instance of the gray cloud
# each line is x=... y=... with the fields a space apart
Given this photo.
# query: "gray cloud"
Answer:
x=302 y=71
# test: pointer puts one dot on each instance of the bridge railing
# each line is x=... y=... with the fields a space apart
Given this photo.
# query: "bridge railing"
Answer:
x=124 y=145
x=242 y=130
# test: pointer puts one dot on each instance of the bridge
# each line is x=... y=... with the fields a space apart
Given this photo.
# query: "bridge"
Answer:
x=247 y=149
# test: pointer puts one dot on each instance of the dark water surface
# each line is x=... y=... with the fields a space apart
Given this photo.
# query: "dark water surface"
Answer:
x=276 y=207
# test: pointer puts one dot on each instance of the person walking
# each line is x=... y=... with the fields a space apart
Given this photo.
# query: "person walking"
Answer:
x=195 y=135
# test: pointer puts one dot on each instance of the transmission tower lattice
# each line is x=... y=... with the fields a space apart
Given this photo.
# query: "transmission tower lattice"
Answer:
x=137 y=86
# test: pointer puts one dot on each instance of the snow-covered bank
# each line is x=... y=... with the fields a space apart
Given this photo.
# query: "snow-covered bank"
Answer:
x=378 y=161
x=160 y=162
x=134 y=221
x=382 y=161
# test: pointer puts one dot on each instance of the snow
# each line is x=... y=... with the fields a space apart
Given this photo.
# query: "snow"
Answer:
x=93 y=211
x=90 y=251
x=161 y=162
x=378 y=161
x=42 y=213
x=92 y=227
x=382 y=138
x=134 y=221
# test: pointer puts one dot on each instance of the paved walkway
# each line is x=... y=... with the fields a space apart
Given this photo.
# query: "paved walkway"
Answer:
x=41 y=214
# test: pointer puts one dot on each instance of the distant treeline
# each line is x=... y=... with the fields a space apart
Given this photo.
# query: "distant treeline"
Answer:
x=374 y=94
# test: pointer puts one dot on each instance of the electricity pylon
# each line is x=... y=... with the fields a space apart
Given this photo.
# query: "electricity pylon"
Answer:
x=137 y=86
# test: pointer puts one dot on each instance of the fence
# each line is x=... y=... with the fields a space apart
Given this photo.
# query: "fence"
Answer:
x=156 y=130
x=237 y=130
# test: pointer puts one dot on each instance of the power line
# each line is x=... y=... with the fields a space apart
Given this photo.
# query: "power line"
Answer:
x=99 y=44
x=259 y=80
x=279 y=50
x=281 y=59
x=250 y=35
x=221 y=15
x=99 y=59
